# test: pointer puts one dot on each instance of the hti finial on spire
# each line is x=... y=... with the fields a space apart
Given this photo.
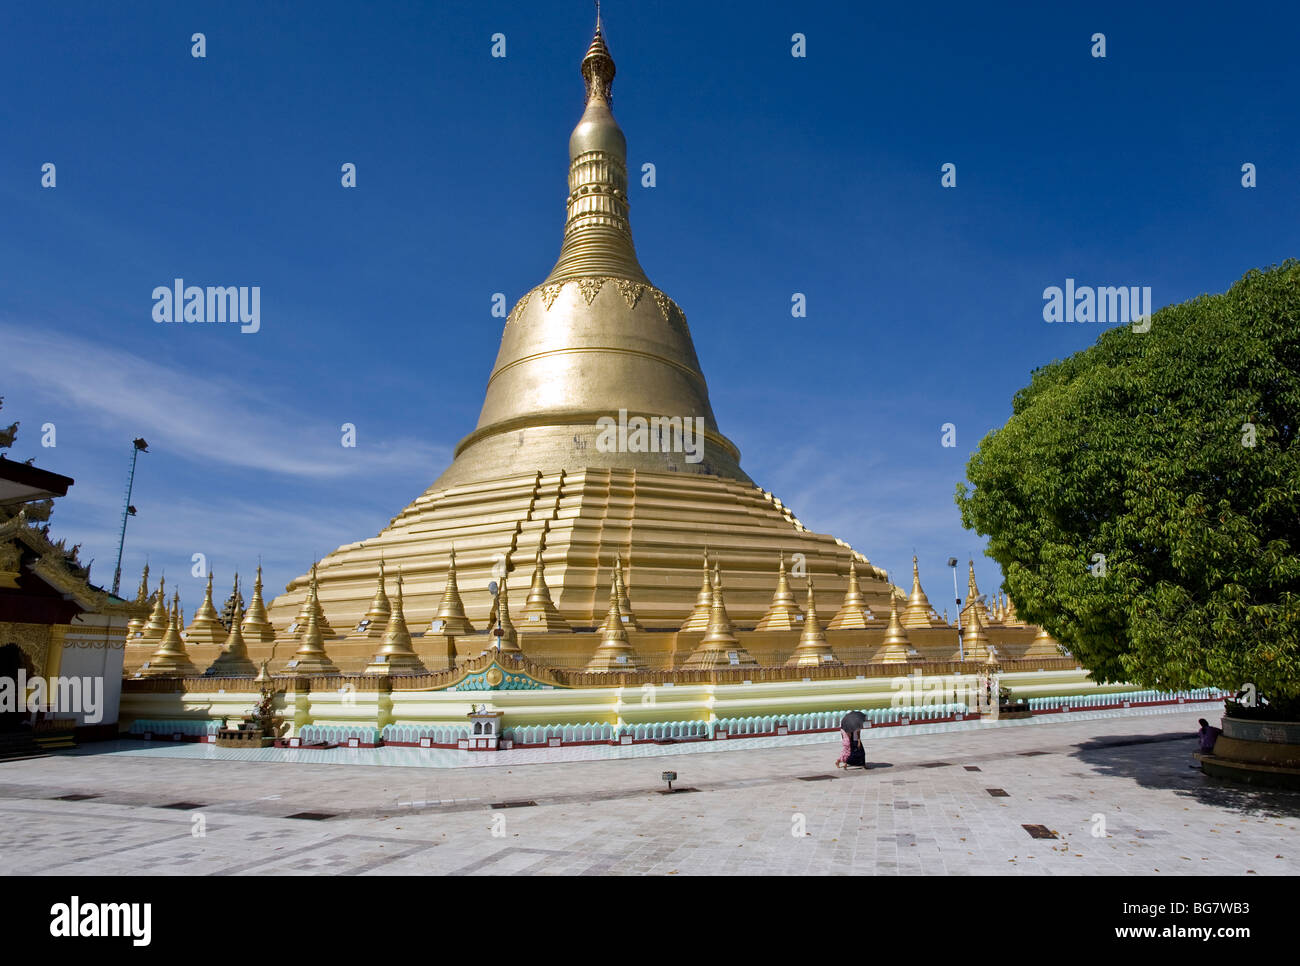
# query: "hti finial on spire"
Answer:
x=598 y=67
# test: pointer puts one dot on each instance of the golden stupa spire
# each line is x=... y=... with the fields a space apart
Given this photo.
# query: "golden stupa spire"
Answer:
x=257 y=626
x=719 y=647
x=975 y=640
x=615 y=652
x=310 y=658
x=135 y=626
x=720 y=630
x=917 y=613
x=540 y=612
x=624 y=604
x=156 y=626
x=813 y=650
x=451 y=619
x=897 y=646
x=597 y=231
x=233 y=661
x=699 y=617
x=374 y=623
x=171 y=659
x=380 y=607
x=397 y=652
x=508 y=642
x=783 y=614
x=311 y=605
x=854 y=613
x=206 y=628
x=973 y=598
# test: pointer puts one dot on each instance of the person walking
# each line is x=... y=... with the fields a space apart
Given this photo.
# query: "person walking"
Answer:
x=851 y=752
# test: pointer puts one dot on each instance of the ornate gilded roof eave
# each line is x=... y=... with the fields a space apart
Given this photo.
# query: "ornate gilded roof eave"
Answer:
x=52 y=567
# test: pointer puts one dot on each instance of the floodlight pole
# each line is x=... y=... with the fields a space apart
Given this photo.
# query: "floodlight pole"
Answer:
x=138 y=446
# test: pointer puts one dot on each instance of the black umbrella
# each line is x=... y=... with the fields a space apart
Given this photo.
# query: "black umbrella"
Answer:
x=853 y=721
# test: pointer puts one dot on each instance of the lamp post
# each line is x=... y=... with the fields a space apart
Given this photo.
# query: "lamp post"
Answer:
x=961 y=650
x=138 y=446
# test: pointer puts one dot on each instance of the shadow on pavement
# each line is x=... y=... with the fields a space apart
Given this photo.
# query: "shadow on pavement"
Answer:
x=1165 y=761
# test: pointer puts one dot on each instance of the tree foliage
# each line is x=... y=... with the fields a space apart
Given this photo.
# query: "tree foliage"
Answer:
x=1143 y=499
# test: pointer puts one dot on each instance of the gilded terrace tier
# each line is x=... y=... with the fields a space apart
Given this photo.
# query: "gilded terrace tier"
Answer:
x=381 y=642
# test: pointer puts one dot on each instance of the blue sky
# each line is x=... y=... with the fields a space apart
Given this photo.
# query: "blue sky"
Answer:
x=776 y=175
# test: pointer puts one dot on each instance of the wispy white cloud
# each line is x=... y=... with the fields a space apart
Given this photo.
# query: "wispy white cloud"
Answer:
x=188 y=412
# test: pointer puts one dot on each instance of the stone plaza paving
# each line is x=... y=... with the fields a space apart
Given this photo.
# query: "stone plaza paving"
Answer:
x=1118 y=788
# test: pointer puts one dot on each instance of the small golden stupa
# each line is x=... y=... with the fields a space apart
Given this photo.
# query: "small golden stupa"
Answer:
x=615 y=653
x=897 y=646
x=784 y=613
x=233 y=661
x=171 y=658
x=813 y=650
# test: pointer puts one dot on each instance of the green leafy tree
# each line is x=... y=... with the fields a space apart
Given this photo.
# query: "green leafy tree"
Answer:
x=1143 y=499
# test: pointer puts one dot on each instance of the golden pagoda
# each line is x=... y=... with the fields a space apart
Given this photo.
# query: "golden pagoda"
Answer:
x=973 y=601
x=310 y=658
x=233 y=661
x=374 y=624
x=783 y=614
x=624 y=603
x=135 y=626
x=311 y=607
x=170 y=659
x=206 y=628
x=975 y=640
x=540 y=614
x=615 y=652
x=257 y=627
x=699 y=616
x=854 y=614
x=593 y=362
x=156 y=626
x=397 y=653
x=918 y=612
x=1043 y=645
x=450 y=617
x=897 y=647
x=719 y=647
x=813 y=650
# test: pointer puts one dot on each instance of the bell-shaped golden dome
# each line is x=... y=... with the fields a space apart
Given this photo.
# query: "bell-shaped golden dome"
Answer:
x=595 y=343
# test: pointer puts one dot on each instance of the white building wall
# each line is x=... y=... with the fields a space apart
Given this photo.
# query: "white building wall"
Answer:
x=93 y=649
